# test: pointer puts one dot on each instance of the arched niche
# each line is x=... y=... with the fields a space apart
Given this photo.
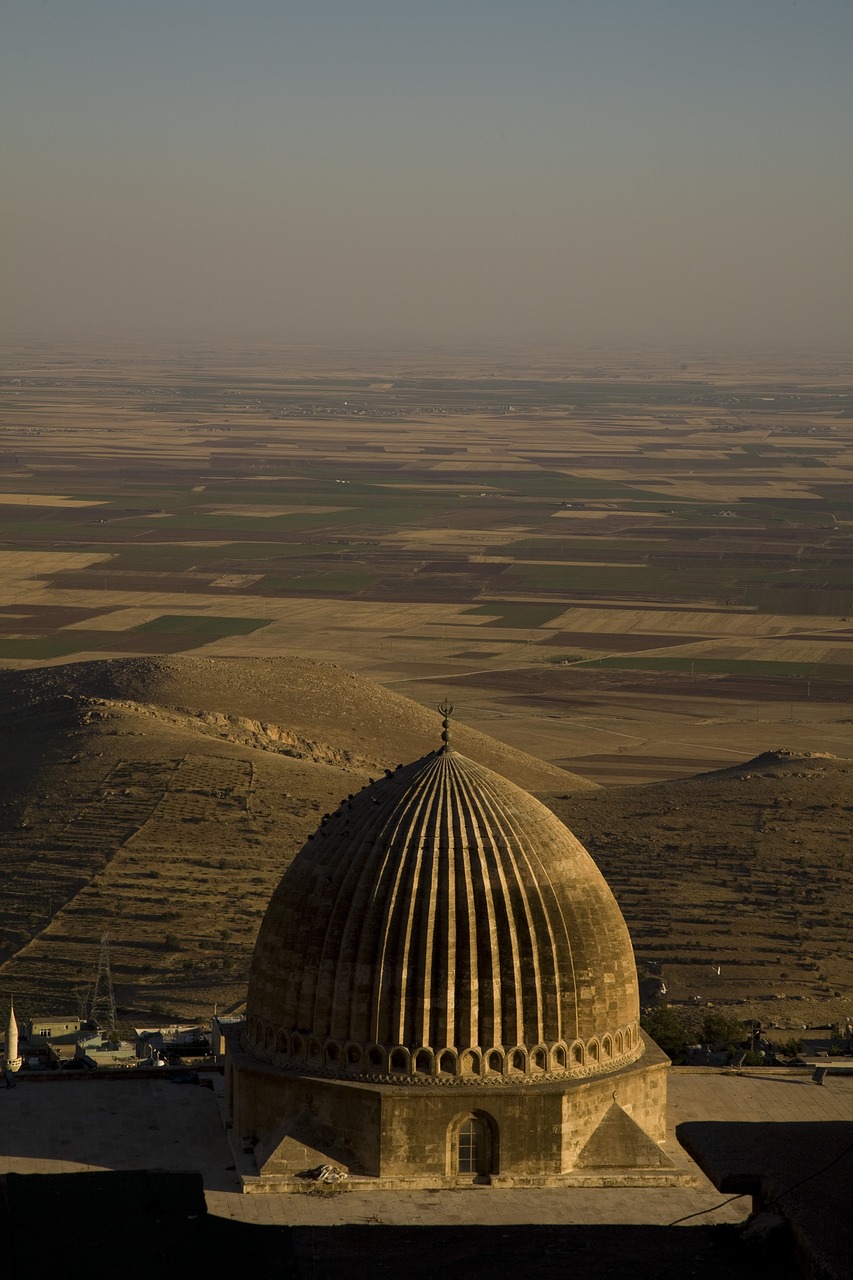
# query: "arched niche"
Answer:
x=424 y=1062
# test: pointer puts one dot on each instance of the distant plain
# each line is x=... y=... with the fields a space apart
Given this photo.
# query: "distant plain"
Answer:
x=633 y=565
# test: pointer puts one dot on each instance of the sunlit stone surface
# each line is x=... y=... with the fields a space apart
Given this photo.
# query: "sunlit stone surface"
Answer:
x=443 y=987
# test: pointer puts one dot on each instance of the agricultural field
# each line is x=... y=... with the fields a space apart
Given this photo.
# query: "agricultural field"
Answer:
x=633 y=566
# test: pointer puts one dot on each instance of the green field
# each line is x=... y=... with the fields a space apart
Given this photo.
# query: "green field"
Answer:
x=177 y=631
x=508 y=613
x=204 y=624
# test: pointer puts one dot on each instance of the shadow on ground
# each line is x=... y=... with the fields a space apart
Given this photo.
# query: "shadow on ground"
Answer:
x=156 y=1224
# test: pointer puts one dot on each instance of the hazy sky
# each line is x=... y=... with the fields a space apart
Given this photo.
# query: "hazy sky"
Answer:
x=445 y=170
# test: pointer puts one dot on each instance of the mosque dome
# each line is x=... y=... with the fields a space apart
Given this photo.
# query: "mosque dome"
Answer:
x=443 y=926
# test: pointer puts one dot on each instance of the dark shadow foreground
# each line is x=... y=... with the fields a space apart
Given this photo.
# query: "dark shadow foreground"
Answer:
x=145 y=1224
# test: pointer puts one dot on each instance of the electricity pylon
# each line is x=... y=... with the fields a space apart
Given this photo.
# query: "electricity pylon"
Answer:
x=103 y=996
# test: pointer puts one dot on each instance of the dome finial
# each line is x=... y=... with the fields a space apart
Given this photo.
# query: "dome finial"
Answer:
x=446 y=709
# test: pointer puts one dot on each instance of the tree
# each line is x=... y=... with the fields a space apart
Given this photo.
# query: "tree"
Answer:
x=668 y=1028
x=721 y=1028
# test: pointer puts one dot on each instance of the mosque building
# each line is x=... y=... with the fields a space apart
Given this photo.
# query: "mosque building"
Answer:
x=443 y=992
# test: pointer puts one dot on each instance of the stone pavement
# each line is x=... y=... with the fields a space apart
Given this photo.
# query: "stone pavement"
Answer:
x=521 y=1206
x=695 y=1093
x=62 y=1126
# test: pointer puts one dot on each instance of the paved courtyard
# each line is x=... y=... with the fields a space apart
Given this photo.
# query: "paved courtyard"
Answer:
x=64 y=1126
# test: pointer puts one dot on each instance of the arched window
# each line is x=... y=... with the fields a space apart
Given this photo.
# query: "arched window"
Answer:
x=270 y=1042
x=607 y=1047
x=353 y=1055
x=423 y=1062
x=470 y=1144
x=474 y=1147
x=496 y=1061
x=332 y=1052
x=447 y=1063
x=537 y=1059
x=295 y=1046
x=560 y=1058
x=519 y=1060
x=577 y=1054
x=314 y=1049
x=374 y=1057
x=593 y=1050
x=618 y=1041
x=281 y=1042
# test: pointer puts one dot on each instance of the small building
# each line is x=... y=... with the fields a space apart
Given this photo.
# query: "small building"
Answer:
x=218 y=1036
x=61 y=1055
x=95 y=1049
x=174 y=1041
x=51 y=1030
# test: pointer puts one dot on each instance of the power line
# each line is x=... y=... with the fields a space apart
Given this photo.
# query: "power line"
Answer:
x=700 y=1212
x=816 y=1174
x=774 y=1200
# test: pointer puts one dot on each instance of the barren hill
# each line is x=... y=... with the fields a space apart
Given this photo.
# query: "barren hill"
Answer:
x=748 y=870
x=159 y=800
x=324 y=712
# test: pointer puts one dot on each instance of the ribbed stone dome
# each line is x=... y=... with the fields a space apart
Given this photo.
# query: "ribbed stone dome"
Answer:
x=443 y=924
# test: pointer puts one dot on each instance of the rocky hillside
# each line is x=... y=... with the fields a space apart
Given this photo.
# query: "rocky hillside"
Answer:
x=159 y=800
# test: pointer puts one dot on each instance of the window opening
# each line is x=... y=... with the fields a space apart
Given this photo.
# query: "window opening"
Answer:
x=472 y=1147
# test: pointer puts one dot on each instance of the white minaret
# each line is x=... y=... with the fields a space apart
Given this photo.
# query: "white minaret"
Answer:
x=12 y=1060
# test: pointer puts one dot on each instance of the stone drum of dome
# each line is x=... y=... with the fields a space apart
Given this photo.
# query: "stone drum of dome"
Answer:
x=444 y=926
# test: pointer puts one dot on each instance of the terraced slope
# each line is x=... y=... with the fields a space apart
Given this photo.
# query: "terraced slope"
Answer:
x=737 y=885
x=160 y=800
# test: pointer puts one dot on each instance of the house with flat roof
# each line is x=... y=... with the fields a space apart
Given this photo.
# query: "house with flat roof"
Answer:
x=51 y=1029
